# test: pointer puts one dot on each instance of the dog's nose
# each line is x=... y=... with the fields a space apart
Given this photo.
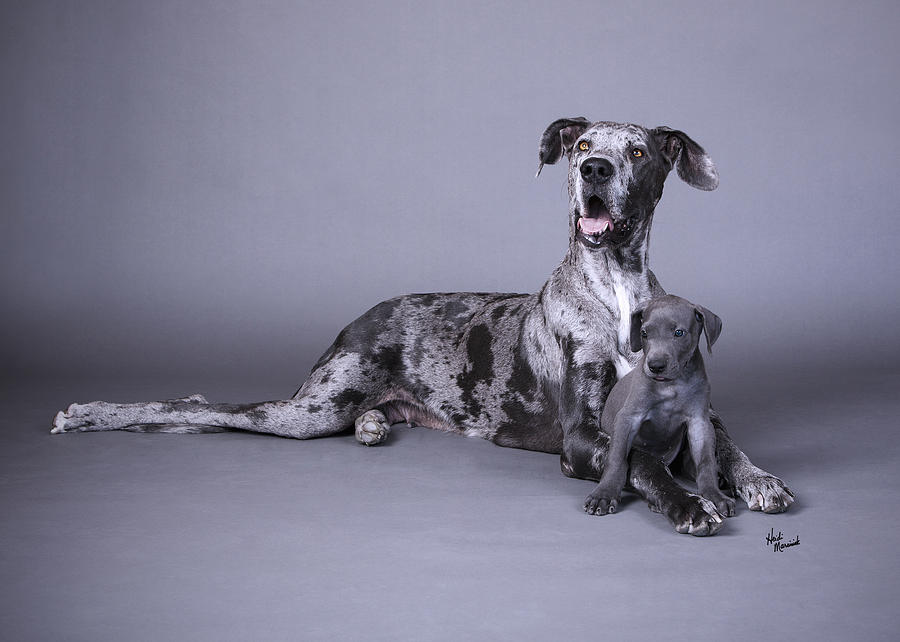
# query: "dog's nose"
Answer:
x=596 y=169
x=656 y=365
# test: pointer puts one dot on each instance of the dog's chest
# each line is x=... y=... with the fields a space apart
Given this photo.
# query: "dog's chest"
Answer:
x=624 y=301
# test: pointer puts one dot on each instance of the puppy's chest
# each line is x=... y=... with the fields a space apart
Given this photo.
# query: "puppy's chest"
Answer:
x=662 y=429
x=667 y=413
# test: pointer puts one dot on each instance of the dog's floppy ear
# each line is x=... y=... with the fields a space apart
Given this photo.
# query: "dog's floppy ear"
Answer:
x=558 y=138
x=637 y=320
x=712 y=325
x=693 y=164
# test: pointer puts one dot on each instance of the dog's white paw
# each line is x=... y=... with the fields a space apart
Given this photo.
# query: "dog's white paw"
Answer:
x=372 y=428
x=764 y=492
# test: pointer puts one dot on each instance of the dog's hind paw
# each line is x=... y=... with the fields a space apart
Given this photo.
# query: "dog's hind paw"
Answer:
x=75 y=418
x=764 y=492
x=372 y=428
x=695 y=515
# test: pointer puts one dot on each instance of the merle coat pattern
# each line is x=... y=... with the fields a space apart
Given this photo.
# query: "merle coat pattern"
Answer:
x=522 y=370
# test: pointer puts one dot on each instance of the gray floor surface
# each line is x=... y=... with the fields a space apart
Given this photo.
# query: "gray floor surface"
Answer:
x=120 y=536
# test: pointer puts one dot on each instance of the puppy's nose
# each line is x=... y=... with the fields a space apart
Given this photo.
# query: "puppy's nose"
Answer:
x=656 y=365
x=596 y=169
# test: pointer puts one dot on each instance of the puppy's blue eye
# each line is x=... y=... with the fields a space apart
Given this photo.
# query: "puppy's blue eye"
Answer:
x=679 y=333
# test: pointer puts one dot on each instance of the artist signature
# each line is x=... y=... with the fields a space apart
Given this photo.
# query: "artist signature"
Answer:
x=777 y=541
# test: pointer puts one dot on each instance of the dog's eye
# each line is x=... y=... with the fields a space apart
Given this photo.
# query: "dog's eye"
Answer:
x=644 y=334
x=679 y=333
x=637 y=153
x=584 y=145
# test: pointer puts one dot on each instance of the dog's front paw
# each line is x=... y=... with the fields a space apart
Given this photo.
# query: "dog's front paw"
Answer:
x=601 y=501
x=694 y=515
x=764 y=492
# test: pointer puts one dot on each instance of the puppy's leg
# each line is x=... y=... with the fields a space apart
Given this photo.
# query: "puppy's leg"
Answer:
x=761 y=490
x=702 y=441
x=605 y=497
x=583 y=457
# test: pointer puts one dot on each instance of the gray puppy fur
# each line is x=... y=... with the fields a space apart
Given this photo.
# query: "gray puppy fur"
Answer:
x=663 y=401
x=522 y=370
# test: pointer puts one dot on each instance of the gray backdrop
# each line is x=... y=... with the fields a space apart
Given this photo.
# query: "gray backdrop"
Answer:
x=220 y=187
x=197 y=196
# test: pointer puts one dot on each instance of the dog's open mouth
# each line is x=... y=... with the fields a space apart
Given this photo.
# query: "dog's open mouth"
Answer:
x=595 y=223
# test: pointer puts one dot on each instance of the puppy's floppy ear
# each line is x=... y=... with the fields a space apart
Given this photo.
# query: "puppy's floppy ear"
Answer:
x=559 y=137
x=712 y=325
x=694 y=165
x=637 y=320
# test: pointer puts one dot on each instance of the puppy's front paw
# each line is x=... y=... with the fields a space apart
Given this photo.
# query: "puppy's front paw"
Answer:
x=724 y=504
x=764 y=492
x=601 y=501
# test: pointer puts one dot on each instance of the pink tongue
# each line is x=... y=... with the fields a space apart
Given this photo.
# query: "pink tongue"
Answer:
x=595 y=225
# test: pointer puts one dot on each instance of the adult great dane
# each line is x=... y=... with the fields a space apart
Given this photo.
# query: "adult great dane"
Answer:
x=523 y=370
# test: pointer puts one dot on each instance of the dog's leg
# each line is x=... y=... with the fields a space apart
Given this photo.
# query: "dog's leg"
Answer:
x=283 y=418
x=335 y=394
x=688 y=512
x=701 y=440
x=761 y=491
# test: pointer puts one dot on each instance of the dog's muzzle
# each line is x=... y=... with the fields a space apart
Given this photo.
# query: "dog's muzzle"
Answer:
x=596 y=227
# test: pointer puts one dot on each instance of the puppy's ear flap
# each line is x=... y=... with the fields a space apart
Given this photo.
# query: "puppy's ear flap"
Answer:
x=711 y=324
x=558 y=138
x=637 y=320
x=693 y=164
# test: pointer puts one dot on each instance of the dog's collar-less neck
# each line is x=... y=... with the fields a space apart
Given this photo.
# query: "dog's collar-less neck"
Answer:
x=629 y=258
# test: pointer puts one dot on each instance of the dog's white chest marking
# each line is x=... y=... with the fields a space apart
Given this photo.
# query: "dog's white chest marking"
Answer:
x=623 y=299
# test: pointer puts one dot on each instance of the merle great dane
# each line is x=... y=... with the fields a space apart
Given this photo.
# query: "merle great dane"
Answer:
x=522 y=370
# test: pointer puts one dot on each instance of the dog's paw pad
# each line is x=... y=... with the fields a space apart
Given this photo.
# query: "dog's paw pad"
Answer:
x=372 y=428
x=764 y=492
